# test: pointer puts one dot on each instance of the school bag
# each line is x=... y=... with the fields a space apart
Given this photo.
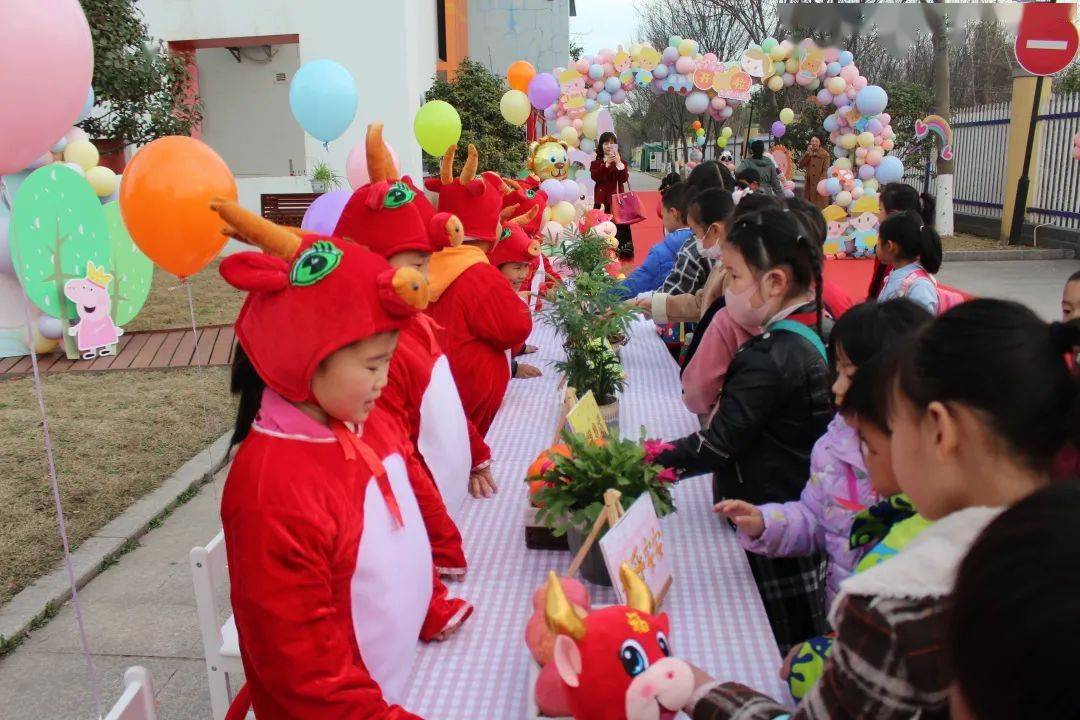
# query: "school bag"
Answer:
x=946 y=298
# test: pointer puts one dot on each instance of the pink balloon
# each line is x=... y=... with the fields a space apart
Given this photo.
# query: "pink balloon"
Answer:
x=885 y=118
x=859 y=83
x=860 y=152
x=789 y=79
x=50 y=43
x=831 y=54
x=1076 y=152
x=873 y=157
x=684 y=65
x=821 y=189
x=849 y=73
x=718 y=103
x=841 y=100
x=609 y=69
x=803 y=80
x=562 y=122
x=356 y=165
x=41 y=161
x=578 y=123
x=581 y=66
x=887 y=145
x=727 y=112
x=850 y=92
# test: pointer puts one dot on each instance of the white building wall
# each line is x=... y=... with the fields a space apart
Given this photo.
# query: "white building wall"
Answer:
x=504 y=31
x=389 y=46
x=246 y=115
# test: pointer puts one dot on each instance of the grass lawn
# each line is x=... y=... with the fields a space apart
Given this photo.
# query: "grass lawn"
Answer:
x=216 y=302
x=116 y=436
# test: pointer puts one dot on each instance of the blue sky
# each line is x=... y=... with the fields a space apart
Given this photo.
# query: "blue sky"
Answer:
x=604 y=24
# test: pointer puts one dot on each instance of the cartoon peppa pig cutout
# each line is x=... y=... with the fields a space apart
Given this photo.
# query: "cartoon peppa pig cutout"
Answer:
x=96 y=334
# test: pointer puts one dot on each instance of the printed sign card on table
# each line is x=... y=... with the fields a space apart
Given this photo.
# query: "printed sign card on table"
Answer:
x=637 y=540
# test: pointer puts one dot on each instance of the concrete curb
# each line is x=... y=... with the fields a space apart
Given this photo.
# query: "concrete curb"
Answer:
x=1025 y=253
x=36 y=603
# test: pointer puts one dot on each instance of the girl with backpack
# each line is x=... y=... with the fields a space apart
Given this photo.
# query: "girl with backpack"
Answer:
x=912 y=250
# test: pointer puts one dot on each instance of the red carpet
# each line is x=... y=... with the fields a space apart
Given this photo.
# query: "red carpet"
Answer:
x=852 y=275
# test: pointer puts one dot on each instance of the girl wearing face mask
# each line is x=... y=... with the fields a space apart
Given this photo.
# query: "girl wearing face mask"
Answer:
x=775 y=404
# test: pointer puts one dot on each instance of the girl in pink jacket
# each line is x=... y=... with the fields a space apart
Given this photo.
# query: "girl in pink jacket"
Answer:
x=839 y=487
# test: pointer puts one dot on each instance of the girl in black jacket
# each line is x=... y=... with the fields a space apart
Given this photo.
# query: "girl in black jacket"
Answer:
x=775 y=403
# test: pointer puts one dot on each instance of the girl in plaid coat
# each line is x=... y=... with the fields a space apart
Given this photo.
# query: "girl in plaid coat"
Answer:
x=979 y=404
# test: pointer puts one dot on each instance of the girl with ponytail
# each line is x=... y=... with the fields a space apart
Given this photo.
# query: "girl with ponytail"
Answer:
x=775 y=402
x=899 y=197
x=913 y=250
x=979 y=404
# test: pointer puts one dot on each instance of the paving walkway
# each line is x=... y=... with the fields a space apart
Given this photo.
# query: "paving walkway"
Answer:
x=1035 y=283
x=141 y=611
x=139 y=351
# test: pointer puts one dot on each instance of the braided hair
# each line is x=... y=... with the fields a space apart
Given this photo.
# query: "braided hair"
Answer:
x=774 y=238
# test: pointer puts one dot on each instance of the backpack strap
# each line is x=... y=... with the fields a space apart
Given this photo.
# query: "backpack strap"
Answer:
x=797 y=328
x=913 y=276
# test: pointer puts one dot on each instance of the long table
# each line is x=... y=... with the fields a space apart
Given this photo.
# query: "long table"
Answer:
x=718 y=621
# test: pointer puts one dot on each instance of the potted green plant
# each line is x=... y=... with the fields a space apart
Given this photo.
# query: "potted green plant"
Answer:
x=572 y=496
x=585 y=253
x=323 y=178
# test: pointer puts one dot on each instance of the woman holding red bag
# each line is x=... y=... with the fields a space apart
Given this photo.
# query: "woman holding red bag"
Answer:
x=610 y=173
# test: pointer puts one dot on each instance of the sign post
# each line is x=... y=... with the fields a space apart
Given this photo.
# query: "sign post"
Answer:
x=1046 y=42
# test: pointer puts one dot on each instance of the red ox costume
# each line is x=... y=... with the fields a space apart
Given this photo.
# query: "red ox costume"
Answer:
x=483 y=319
x=332 y=581
x=392 y=216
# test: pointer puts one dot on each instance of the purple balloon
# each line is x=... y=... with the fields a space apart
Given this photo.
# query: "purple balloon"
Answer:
x=778 y=129
x=543 y=90
x=660 y=72
x=824 y=96
x=670 y=55
x=553 y=189
x=866 y=172
x=323 y=214
x=874 y=126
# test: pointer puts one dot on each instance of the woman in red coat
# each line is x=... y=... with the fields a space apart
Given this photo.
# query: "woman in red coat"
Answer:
x=610 y=174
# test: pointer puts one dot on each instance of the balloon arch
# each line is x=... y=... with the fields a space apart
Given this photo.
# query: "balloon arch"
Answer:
x=859 y=127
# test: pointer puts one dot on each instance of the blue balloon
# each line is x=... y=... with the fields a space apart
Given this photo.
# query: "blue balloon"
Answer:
x=889 y=170
x=590 y=104
x=832 y=69
x=87 y=106
x=832 y=185
x=846 y=58
x=830 y=123
x=603 y=97
x=871 y=100
x=596 y=71
x=612 y=84
x=60 y=145
x=323 y=99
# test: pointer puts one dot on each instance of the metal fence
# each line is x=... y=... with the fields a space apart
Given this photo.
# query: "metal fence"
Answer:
x=1056 y=198
x=980 y=139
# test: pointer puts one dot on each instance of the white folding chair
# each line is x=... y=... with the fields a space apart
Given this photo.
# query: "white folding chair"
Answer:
x=209 y=570
x=137 y=702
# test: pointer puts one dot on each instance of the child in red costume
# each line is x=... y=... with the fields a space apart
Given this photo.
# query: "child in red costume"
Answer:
x=330 y=566
x=483 y=319
x=513 y=255
x=395 y=220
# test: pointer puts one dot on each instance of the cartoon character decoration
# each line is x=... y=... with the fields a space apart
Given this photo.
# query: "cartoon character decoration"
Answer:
x=838 y=233
x=756 y=63
x=728 y=160
x=706 y=70
x=572 y=99
x=864 y=224
x=96 y=333
x=939 y=126
x=549 y=159
x=615 y=663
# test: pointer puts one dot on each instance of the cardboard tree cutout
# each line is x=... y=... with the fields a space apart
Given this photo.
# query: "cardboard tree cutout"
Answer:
x=132 y=271
x=57 y=227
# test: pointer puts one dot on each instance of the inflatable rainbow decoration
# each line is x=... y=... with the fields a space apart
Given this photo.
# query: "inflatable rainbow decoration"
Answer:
x=939 y=126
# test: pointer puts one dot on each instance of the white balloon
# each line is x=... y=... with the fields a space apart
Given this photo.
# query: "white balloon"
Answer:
x=50 y=327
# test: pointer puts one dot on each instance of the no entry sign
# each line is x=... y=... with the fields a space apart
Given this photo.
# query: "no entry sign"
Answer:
x=1047 y=40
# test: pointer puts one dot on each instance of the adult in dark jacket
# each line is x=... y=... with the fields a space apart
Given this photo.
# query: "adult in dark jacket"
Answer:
x=770 y=180
x=775 y=403
x=611 y=174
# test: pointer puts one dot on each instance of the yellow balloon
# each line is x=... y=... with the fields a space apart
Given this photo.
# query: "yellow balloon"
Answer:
x=82 y=153
x=866 y=139
x=437 y=126
x=726 y=132
x=787 y=116
x=792 y=65
x=778 y=52
x=687 y=47
x=776 y=83
x=848 y=141
x=843 y=163
x=589 y=125
x=836 y=85
x=570 y=136
x=515 y=107
x=563 y=213
x=102 y=180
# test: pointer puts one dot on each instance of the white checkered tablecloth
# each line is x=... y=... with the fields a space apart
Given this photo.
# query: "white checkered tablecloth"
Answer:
x=718 y=621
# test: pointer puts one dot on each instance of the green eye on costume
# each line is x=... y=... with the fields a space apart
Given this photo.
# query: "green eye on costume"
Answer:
x=530 y=194
x=505 y=234
x=315 y=263
x=399 y=194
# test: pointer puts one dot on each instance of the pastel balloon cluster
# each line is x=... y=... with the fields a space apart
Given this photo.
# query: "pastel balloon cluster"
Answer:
x=859 y=127
x=568 y=95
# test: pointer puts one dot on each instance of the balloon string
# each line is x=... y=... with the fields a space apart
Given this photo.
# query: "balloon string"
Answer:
x=202 y=371
x=91 y=671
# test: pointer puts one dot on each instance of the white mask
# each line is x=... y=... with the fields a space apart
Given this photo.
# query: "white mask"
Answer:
x=709 y=253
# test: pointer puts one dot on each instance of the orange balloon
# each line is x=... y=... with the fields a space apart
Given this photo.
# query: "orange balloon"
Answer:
x=520 y=74
x=165 y=202
x=696 y=125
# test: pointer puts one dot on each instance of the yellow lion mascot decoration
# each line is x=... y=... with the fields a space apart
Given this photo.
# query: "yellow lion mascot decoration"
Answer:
x=549 y=158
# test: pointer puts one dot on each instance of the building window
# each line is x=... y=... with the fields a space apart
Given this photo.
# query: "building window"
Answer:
x=440 y=23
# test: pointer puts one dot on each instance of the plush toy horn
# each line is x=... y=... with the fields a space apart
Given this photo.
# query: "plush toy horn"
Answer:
x=525 y=218
x=559 y=613
x=272 y=238
x=638 y=595
x=380 y=163
x=446 y=169
x=507 y=213
x=468 y=173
